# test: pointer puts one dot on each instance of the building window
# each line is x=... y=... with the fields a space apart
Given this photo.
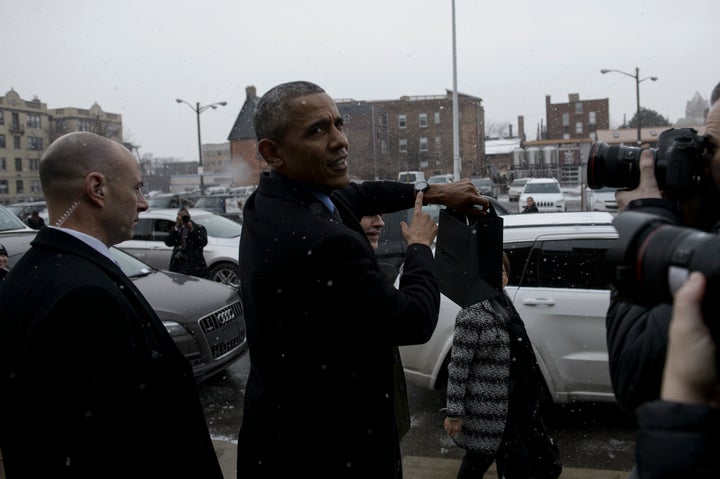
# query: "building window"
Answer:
x=402 y=121
x=578 y=108
x=4 y=190
x=35 y=143
x=16 y=142
x=438 y=143
x=593 y=136
x=422 y=120
x=592 y=118
x=423 y=144
x=3 y=164
x=346 y=119
x=34 y=164
x=566 y=136
x=34 y=186
x=2 y=117
x=33 y=120
x=18 y=164
x=437 y=117
x=566 y=119
x=403 y=145
x=383 y=146
x=2 y=141
x=84 y=125
x=19 y=187
x=578 y=127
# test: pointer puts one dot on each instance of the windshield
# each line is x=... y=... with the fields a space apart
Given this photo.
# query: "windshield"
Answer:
x=482 y=182
x=9 y=221
x=219 y=226
x=542 y=188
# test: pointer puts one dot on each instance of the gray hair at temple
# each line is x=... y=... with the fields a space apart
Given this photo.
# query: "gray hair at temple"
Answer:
x=715 y=95
x=271 y=112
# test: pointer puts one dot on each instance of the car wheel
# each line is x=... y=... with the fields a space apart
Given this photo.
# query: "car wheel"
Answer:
x=226 y=273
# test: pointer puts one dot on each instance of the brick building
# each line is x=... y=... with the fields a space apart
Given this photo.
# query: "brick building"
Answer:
x=575 y=119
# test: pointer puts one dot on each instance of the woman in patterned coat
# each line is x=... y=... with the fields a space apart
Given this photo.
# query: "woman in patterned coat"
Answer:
x=493 y=388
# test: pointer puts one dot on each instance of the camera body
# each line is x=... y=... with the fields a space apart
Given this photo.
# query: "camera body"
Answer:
x=185 y=219
x=678 y=163
x=652 y=258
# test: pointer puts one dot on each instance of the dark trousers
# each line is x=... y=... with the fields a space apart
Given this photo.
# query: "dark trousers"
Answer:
x=511 y=458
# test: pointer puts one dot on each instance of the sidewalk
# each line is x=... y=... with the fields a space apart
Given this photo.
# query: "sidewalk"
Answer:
x=415 y=467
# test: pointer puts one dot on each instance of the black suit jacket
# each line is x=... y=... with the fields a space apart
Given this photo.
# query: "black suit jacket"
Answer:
x=322 y=324
x=91 y=383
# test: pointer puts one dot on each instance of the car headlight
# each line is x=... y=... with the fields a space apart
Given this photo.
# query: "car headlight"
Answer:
x=175 y=329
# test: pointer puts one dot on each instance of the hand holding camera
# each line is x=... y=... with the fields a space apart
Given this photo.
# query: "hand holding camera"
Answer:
x=647 y=187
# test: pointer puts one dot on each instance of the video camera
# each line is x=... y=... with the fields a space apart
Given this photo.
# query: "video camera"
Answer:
x=652 y=258
x=679 y=163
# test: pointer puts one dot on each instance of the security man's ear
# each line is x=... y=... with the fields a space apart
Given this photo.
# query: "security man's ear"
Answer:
x=269 y=151
x=94 y=186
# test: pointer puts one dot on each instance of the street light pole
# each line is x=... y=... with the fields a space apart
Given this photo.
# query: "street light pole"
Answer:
x=199 y=109
x=637 y=78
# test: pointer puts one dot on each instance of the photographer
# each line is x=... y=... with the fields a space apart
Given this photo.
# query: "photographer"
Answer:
x=637 y=335
x=188 y=240
x=679 y=434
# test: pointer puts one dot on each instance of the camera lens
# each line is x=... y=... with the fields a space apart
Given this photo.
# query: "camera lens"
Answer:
x=652 y=258
x=185 y=219
x=617 y=166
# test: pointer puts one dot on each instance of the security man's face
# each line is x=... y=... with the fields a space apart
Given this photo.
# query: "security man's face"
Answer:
x=712 y=132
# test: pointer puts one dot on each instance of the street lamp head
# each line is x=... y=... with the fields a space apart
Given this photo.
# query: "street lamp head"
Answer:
x=178 y=100
x=654 y=78
x=603 y=71
x=222 y=103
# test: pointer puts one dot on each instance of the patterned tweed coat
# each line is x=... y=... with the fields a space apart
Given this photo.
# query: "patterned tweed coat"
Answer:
x=479 y=381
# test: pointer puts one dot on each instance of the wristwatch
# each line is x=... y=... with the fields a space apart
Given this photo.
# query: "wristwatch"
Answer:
x=421 y=186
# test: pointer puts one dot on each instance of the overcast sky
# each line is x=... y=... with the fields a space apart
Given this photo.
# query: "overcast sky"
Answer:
x=135 y=57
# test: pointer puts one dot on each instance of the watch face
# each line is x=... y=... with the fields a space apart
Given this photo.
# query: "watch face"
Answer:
x=421 y=185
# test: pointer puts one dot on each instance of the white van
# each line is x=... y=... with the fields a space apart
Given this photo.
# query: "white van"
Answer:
x=411 y=176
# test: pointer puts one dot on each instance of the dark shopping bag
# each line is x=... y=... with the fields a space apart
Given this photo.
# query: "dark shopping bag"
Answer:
x=468 y=256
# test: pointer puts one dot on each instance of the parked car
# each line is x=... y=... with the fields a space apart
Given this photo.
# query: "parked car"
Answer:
x=486 y=186
x=411 y=176
x=24 y=209
x=205 y=319
x=440 y=179
x=516 y=187
x=172 y=200
x=555 y=286
x=602 y=199
x=227 y=205
x=221 y=252
x=548 y=196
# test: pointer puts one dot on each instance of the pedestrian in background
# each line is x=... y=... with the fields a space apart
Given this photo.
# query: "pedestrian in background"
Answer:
x=530 y=206
x=188 y=240
x=91 y=383
x=35 y=221
x=494 y=390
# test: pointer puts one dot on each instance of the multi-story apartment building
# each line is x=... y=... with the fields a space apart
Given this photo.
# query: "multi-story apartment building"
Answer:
x=27 y=127
x=576 y=119
x=385 y=136
x=414 y=133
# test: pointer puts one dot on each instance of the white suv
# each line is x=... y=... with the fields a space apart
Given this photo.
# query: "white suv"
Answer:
x=556 y=284
x=547 y=194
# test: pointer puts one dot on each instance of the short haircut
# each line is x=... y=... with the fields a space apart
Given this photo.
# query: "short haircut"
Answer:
x=271 y=112
x=72 y=156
